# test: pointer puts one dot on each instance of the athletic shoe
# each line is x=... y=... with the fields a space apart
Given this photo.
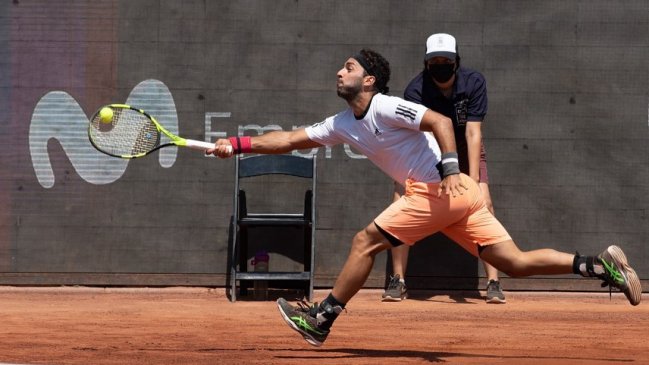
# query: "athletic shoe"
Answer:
x=618 y=273
x=303 y=319
x=396 y=291
x=495 y=293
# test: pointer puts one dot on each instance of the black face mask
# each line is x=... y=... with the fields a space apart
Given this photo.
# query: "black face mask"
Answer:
x=441 y=72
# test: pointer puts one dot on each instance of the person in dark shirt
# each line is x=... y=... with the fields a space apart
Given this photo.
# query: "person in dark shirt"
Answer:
x=460 y=94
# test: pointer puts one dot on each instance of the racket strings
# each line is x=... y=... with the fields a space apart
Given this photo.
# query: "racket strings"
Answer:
x=129 y=133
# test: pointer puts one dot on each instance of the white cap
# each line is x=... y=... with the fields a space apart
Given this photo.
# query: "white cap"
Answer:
x=440 y=45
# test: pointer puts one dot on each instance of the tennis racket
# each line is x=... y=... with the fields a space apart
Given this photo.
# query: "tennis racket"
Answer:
x=120 y=130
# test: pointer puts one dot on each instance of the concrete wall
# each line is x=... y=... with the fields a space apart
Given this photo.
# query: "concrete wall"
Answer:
x=566 y=133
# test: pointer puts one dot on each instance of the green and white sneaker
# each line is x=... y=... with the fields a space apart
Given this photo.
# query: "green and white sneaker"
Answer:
x=303 y=319
x=618 y=274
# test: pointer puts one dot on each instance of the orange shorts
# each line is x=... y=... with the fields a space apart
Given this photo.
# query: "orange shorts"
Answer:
x=465 y=218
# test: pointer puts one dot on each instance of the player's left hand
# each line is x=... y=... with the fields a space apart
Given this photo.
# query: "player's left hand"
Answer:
x=451 y=185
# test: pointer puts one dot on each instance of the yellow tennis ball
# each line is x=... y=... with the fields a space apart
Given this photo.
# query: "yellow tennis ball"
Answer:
x=106 y=115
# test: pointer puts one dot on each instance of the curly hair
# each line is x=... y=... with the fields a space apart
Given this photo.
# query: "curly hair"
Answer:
x=377 y=66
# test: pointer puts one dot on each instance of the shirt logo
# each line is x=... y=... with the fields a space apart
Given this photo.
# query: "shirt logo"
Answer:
x=461 y=111
x=407 y=112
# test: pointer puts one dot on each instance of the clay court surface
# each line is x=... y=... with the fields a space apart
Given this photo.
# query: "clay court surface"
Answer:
x=76 y=325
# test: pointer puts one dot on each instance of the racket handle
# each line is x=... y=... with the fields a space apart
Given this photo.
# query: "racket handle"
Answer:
x=200 y=145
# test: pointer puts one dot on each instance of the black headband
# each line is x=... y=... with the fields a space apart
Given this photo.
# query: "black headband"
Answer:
x=381 y=83
x=363 y=62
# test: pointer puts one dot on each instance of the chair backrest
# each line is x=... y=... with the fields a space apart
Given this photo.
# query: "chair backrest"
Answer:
x=276 y=164
x=259 y=165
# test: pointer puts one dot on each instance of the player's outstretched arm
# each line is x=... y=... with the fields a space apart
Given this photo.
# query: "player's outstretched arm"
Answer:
x=275 y=142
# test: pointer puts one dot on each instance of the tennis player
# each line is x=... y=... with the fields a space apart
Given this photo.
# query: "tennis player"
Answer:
x=388 y=130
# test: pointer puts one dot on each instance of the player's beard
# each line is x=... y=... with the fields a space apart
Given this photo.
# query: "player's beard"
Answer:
x=350 y=92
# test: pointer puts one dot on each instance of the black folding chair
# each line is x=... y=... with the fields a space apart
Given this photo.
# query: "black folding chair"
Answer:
x=244 y=221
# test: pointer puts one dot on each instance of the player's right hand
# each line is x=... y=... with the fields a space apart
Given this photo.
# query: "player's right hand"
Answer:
x=222 y=149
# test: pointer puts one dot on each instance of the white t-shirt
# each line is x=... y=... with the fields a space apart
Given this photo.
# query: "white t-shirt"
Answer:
x=388 y=134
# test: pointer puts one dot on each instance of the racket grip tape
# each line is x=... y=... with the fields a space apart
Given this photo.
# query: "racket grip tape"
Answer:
x=200 y=145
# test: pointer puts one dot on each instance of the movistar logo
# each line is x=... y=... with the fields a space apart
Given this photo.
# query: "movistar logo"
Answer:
x=59 y=116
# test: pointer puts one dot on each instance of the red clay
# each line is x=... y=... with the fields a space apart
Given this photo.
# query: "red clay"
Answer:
x=200 y=326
